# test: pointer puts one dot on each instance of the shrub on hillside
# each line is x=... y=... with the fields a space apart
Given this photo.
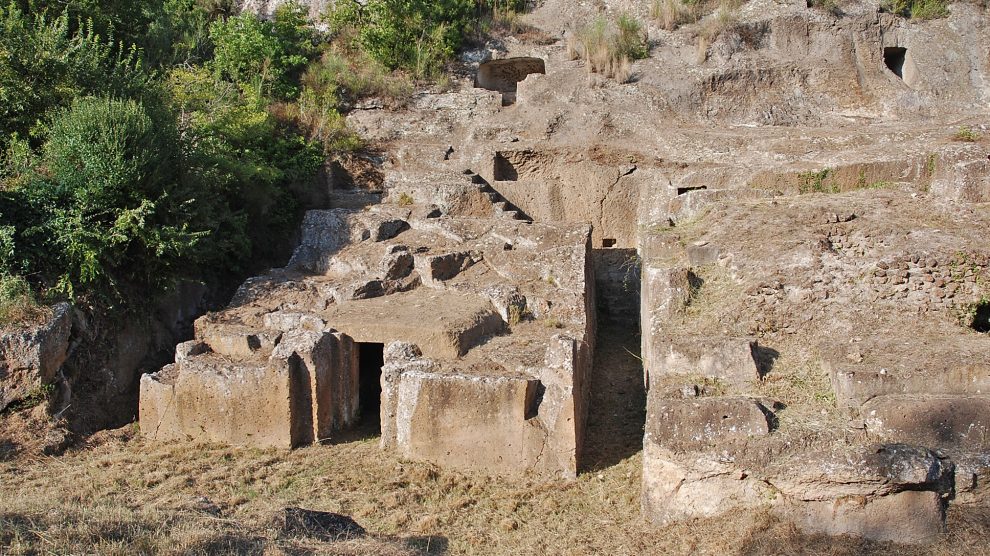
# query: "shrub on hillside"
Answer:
x=109 y=198
x=610 y=49
x=274 y=53
x=417 y=35
x=247 y=167
x=45 y=64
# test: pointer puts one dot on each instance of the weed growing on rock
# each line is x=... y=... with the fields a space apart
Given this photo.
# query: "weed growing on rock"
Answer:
x=977 y=315
x=405 y=199
x=17 y=301
x=967 y=134
x=515 y=315
x=34 y=398
x=815 y=182
x=722 y=20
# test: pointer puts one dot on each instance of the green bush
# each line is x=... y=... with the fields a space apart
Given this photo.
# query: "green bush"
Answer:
x=111 y=199
x=117 y=180
x=179 y=34
x=351 y=76
x=967 y=134
x=417 y=35
x=246 y=166
x=609 y=48
x=44 y=65
x=630 y=39
x=248 y=49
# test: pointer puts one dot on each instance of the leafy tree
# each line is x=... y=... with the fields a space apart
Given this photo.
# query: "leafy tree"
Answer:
x=272 y=53
x=179 y=34
x=249 y=165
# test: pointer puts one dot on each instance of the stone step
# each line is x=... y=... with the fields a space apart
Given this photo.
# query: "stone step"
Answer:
x=936 y=421
x=856 y=383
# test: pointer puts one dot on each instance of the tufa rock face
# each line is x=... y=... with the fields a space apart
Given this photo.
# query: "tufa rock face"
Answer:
x=31 y=358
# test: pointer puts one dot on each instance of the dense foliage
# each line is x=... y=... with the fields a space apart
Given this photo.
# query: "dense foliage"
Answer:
x=127 y=165
x=416 y=35
x=143 y=142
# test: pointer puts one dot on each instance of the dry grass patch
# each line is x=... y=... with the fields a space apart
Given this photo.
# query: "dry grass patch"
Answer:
x=18 y=305
x=135 y=498
x=671 y=14
x=609 y=48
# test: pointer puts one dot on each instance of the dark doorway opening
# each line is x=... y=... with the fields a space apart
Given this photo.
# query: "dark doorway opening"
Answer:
x=893 y=57
x=371 y=358
x=981 y=317
x=505 y=170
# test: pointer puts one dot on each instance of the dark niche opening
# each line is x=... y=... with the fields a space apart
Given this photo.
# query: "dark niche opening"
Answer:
x=371 y=358
x=505 y=170
x=893 y=58
x=981 y=317
x=688 y=189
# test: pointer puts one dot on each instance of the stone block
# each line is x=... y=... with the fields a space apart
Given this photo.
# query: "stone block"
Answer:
x=665 y=292
x=329 y=362
x=397 y=263
x=209 y=399
x=306 y=390
x=702 y=253
x=893 y=492
x=935 y=420
x=475 y=423
x=435 y=269
x=677 y=489
x=233 y=340
x=185 y=350
x=908 y=517
x=443 y=325
x=696 y=423
x=854 y=384
x=731 y=360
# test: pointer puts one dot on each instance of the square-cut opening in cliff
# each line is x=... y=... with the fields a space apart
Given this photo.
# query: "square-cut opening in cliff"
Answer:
x=504 y=75
x=893 y=58
x=371 y=358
